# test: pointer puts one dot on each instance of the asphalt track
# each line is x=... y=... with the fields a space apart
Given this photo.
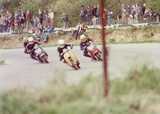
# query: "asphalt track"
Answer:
x=22 y=72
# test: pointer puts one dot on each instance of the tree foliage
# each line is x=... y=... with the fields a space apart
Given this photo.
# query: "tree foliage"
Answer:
x=68 y=5
x=154 y=4
x=72 y=7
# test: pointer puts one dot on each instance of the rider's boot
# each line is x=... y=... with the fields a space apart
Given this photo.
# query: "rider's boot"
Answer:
x=86 y=54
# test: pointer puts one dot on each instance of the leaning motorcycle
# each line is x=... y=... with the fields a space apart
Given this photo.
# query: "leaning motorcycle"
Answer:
x=71 y=59
x=26 y=51
x=40 y=55
x=94 y=52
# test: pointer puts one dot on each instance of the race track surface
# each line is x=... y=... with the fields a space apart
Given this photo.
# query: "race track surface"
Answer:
x=20 y=71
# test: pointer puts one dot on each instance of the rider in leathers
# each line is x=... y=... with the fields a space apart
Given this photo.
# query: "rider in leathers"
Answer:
x=84 y=44
x=61 y=46
x=31 y=45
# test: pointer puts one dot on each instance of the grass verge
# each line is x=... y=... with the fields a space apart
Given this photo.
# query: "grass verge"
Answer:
x=137 y=94
x=2 y=62
x=148 y=34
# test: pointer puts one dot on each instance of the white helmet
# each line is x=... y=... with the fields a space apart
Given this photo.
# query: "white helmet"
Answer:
x=82 y=37
x=61 y=42
x=25 y=38
x=30 y=39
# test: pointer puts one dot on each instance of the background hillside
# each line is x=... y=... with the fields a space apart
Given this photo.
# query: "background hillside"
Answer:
x=72 y=7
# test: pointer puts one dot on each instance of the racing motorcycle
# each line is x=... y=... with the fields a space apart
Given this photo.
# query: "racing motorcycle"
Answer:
x=39 y=54
x=71 y=59
x=36 y=53
x=94 y=52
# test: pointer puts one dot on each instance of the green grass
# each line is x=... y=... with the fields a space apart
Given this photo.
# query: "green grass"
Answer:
x=2 y=62
x=139 y=80
x=135 y=94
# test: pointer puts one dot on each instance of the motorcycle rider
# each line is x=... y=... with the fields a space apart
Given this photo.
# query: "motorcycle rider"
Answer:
x=61 y=46
x=33 y=47
x=85 y=42
x=25 y=42
x=31 y=44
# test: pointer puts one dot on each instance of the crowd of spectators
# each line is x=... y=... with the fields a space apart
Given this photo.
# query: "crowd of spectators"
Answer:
x=138 y=13
x=42 y=21
x=128 y=14
x=25 y=21
x=89 y=14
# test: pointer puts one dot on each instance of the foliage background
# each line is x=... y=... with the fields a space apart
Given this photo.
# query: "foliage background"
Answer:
x=72 y=7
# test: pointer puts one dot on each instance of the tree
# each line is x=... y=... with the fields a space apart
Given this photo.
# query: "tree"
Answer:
x=154 y=4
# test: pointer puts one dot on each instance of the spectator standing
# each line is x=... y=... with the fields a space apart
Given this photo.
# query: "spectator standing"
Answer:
x=1 y=24
x=65 y=20
x=29 y=20
x=143 y=8
x=124 y=14
x=94 y=11
x=41 y=16
x=83 y=13
x=158 y=18
x=51 y=17
x=110 y=18
x=89 y=15
x=94 y=20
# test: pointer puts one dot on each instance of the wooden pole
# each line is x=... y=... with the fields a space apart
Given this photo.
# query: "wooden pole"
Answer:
x=103 y=21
